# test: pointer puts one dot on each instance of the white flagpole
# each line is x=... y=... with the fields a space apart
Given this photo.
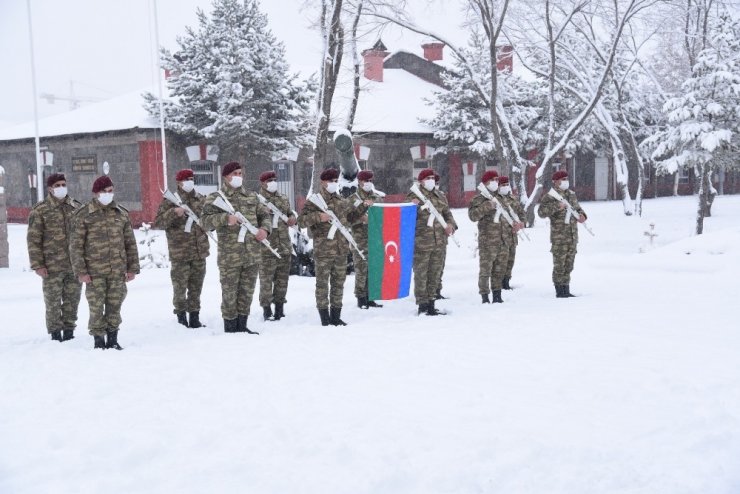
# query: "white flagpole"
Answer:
x=40 y=189
x=161 y=101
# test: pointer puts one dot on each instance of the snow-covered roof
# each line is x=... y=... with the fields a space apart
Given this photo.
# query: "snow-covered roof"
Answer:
x=119 y=113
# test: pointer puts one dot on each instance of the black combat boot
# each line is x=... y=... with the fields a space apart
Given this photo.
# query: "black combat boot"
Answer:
x=324 y=314
x=422 y=309
x=362 y=302
x=68 y=334
x=113 y=341
x=336 y=317
x=56 y=335
x=496 y=297
x=433 y=311
x=194 y=321
x=267 y=312
x=99 y=342
x=371 y=303
x=559 y=291
x=439 y=295
x=181 y=319
x=484 y=298
x=231 y=325
x=279 y=313
x=242 y=325
x=566 y=291
x=505 y=284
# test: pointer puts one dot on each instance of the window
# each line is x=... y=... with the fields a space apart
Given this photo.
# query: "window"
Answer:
x=683 y=176
x=203 y=171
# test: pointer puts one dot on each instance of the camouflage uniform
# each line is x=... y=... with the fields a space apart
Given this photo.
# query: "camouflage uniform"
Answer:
x=430 y=247
x=274 y=272
x=103 y=246
x=512 y=203
x=188 y=251
x=563 y=236
x=494 y=242
x=359 y=233
x=48 y=239
x=330 y=255
x=238 y=263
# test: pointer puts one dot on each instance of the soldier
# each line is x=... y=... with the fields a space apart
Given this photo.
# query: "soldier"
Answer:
x=430 y=244
x=330 y=254
x=274 y=272
x=105 y=258
x=363 y=199
x=238 y=262
x=188 y=247
x=49 y=231
x=439 y=295
x=512 y=204
x=563 y=232
x=493 y=239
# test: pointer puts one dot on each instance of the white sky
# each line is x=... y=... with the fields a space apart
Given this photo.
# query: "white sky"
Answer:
x=105 y=46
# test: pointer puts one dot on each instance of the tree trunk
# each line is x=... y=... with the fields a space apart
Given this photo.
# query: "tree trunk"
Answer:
x=704 y=192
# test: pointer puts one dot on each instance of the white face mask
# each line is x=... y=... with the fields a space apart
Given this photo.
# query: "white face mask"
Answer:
x=188 y=185
x=105 y=198
x=271 y=186
x=429 y=183
x=332 y=187
x=492 y=186
x=564 y=185
x=367 y=186
x=504 y=190
x=59 y=192
x=236 y=181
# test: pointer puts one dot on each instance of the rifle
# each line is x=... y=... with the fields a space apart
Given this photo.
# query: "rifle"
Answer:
x=571 y=212
x=222 y=203
x=510 y=218
x=319 y=201
x=433 y=213
x=174 y=198
x=277 y=214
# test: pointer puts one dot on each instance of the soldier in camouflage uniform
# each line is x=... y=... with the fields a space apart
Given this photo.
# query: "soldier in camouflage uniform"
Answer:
x=563 y=232
x=274 y=272
x=49 y=228
x=430 y=244
x=439 y=295
x=105 y=258
x=238 y=262
x=330 y=254
x=361 y=201
x=512 y=204
x=188 y=249
x=493 y=239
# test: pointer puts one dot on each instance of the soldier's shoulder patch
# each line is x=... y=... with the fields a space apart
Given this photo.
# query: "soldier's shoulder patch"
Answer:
x=39 y=205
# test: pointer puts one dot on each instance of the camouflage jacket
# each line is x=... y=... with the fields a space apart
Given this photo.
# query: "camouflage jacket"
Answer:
x=183 y=246
x=230 y=250
x=490 y=232
x=49 y=234
x=560 y=231
x=280 y=235
x=512 y=203
x=103 y=241
x=430 y=237
x=309 y=218
x=359 y=229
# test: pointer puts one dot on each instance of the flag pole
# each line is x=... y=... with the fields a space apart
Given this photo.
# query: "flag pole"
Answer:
x=161 y=100
x=39 y=172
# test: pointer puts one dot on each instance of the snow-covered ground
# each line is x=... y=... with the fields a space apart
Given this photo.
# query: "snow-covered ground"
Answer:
x=634 y=386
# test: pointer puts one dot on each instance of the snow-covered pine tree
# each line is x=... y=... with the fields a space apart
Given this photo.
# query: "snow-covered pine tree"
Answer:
x=704 y=120
x=230 y=84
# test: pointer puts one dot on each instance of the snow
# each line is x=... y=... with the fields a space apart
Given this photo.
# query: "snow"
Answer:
x=633 y=386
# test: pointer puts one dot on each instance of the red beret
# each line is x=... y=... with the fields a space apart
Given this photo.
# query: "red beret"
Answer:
x=185 y=174
x=365 y=175
x=54 y=178
x=329 y=174
x=268 y=175
x=102 y=183
x=426 y=173
x=503 y=180
x=559 y=175
x=230 y=167
x=489 y=175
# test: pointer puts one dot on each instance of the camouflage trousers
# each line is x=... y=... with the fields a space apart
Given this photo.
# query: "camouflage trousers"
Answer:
x=360 y=274
x=62 y=294
x=428 y=266
x=330 y=271
x=494 y=259
x=563 y=259
x=510 y=263
x=274 y=276
x=237 y=288
x=187 y=284
x=105 y=296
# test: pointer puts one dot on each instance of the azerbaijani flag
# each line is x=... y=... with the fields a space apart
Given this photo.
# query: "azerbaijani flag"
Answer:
x=391 y=229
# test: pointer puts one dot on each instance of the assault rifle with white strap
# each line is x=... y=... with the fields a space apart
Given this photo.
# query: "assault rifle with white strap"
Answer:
x=500 y=209
x=278 y=215
x=174 y=198
x=319 y=201
x=433 y=213
x=571 y=212
x=222 y=203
